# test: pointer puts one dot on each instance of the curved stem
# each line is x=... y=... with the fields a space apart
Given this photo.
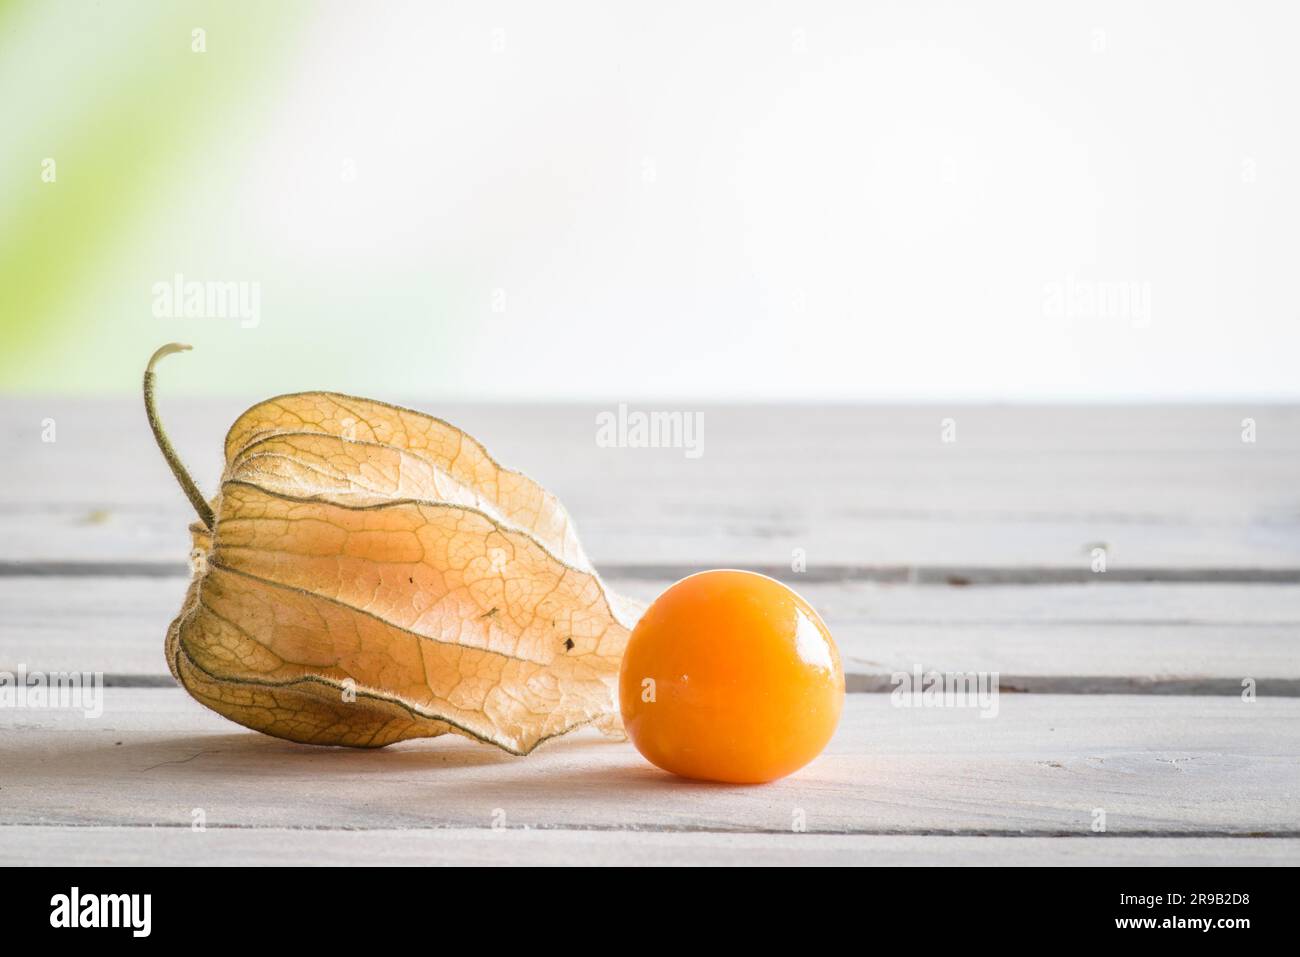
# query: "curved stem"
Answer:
x=164 y=444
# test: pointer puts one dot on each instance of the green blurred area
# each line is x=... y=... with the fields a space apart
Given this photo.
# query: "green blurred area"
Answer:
x=125 y=107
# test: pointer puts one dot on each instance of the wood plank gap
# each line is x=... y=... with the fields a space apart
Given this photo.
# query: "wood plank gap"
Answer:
x=1054 y=833
x=1102 y=685
x=858 y=683
x=956 y=575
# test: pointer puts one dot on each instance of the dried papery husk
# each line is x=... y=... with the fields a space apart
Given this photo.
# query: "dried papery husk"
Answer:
x=371 y=575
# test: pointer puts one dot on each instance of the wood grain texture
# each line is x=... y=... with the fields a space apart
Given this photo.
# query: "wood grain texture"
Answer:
x=1203 y=767
x=278 y=847
x=1023 y=487
x=1130 y=638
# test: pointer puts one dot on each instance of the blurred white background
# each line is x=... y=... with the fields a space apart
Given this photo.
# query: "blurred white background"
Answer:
x=835 y=200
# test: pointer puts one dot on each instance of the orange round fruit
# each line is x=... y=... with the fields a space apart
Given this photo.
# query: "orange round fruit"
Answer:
x=731 y=676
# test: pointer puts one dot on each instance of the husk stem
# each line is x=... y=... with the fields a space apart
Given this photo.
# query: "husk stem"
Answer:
x=164 y=444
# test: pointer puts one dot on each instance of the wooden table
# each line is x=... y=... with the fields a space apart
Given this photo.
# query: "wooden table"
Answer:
x=1122 y=690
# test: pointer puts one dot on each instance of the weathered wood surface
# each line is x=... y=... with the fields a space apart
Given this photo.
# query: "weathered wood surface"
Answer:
x=1178 y=766
x=1068 y=638
x=272 y=847
x=1202 y=590
x=1163 y=488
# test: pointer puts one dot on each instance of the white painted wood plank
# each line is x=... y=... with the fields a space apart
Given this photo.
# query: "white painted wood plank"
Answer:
x=1170 y=487
x=1169 y=633
x=278 y=847
x=114 y=626
x=1094 y=603
x=1189 y=766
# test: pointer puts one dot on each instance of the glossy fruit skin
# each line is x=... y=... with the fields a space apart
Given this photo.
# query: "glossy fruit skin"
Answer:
x=747 y=682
